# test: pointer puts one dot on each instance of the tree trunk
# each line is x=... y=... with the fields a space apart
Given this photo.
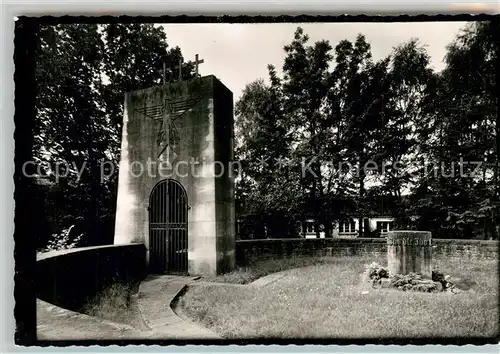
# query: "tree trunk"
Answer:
x=497 y=125
x=319 y=214
x=361 y=195
x=328 y=229
x=497 y=132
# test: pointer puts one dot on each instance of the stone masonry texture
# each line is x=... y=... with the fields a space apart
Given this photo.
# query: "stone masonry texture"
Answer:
x=204 y=149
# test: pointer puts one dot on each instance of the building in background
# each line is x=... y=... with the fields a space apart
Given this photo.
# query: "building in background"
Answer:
x=373 y=226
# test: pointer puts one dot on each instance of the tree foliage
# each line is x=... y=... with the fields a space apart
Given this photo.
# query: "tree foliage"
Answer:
x=83 y=72
x=391 y=120
x=334 y=134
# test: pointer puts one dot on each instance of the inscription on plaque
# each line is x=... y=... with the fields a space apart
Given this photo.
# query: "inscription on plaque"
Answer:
x=408 y=242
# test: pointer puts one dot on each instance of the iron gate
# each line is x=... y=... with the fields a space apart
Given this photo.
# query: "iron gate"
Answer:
x=168 y=241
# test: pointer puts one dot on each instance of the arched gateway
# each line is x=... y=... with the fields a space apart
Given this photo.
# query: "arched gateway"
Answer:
x=168 y=228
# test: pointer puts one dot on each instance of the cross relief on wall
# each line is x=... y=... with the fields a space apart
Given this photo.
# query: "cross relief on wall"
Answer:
x=167 y=114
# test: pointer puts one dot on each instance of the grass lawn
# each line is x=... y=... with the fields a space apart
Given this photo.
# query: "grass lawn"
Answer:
x=116 y=303
x=325 y=299
x=259 y=269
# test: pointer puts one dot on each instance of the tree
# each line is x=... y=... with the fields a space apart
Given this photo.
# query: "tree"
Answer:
x=82 y=73
x=305 y=87
x=71 y=126
x=314 y=112
x=266 y=186
x=405 y=127
x=358 y=100
x=405 y=99
x=458 y=131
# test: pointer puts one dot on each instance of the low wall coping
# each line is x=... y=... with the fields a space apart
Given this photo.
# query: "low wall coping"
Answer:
x=366 y=239
x=313 y=239
x=51 y=254
x=465 y=241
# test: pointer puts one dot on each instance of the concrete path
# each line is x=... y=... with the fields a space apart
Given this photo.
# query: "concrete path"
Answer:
x=268 y=279
x=154 y=299
x=56 y=323
x=264 y=281
x=156 y=295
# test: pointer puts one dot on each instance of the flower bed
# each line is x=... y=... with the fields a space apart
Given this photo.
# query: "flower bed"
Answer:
x=380 y=278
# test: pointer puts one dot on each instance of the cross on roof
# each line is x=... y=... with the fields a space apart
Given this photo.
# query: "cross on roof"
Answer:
x=164 y=71
x=196 y=62
x=179 y=67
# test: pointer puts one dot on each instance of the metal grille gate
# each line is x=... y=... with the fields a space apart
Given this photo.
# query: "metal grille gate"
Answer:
x=168 y=242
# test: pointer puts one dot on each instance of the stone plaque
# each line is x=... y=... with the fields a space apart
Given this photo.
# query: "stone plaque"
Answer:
x=409 y=252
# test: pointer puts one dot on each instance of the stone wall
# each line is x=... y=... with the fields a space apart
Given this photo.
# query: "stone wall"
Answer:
x=248 y=251
x=466 y=248
x=67 y=278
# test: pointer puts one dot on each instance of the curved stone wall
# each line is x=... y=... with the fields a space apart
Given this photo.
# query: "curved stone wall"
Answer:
x=248 y=251
x=67 y=278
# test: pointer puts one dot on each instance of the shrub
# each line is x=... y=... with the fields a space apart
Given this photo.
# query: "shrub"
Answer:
x=412 y=282
x=65 y=240
x=376 y=272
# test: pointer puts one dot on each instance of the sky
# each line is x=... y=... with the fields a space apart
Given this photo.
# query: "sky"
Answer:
x=238 y=54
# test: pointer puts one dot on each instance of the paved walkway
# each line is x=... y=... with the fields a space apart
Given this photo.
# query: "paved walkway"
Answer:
x=154 y=299
x=264 y=281
x=56 y=323
x=271 y=278
x=156 y=294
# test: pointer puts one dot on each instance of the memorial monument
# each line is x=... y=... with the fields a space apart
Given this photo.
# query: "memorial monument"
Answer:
x=409 y=252
x=176 y=177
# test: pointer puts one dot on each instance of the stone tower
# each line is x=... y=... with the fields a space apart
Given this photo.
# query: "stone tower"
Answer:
x=183 y=133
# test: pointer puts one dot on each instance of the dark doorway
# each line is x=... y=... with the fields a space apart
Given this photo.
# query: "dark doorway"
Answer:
x=168 y=240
